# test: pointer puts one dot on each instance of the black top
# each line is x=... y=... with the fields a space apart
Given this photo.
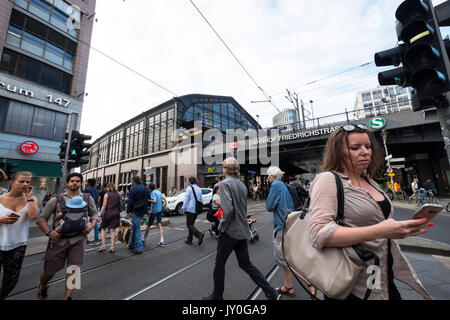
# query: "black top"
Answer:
x=393 y=291
x=385 y=207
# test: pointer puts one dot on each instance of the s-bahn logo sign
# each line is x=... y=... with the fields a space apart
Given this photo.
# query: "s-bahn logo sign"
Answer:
x=378 y=123
x=29 y=148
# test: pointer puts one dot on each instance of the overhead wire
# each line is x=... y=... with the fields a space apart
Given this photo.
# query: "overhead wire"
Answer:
x=235 y=57
x=326 y=77
x=122 y=64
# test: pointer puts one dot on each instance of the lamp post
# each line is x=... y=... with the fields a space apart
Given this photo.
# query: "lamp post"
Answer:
x=384 y=136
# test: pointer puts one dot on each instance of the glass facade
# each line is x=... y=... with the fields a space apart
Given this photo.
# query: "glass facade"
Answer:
x=155 y=132
x=56 y=12
x=221 y=116
x=24 y=119
x=36 y=38
x=24 y=67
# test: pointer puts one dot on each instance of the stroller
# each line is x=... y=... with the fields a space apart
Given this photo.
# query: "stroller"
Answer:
x=251 y=224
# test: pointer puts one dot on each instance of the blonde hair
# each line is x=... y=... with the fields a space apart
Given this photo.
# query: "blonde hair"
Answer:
x=232 y=166
x=17 y=174
x=112 y=187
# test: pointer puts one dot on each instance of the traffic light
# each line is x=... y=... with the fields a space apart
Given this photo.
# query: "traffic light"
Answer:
x=77 y=151
x=422 y=53
x=62 y=152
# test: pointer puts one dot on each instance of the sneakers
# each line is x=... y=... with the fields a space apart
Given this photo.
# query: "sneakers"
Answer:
x=200 y=239
x=161 y=244
x=42 y=293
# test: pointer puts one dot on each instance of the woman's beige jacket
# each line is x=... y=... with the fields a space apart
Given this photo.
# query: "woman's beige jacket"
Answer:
x=360 y=210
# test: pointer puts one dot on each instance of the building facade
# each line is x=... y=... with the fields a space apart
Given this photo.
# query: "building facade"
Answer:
x=148 y=141
x=44 y=46
x=287 y=119
x=382 y=100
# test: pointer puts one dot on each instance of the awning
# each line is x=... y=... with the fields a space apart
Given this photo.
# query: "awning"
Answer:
x=37 y=168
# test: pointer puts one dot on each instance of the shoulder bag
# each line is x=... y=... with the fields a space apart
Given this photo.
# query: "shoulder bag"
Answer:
x=198 y=204
x=333 y=271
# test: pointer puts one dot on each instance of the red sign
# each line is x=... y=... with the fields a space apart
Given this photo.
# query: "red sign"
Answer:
x=29 y=148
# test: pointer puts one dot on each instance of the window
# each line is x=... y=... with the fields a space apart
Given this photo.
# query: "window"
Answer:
x=189 y=114
x=36 y=38
x=377 y=95
x=366 y=96
x=30 y=69
x=3 y=107
x=151 y=124
x=25 y=119
x=8 y=63
x=403 y=101
x=401 y=90
x=57 y=12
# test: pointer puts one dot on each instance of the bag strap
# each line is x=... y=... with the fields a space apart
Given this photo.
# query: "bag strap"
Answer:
x=193 y=191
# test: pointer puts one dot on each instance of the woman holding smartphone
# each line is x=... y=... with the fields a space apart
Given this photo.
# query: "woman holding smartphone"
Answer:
x=355 y=155
x=17 y=207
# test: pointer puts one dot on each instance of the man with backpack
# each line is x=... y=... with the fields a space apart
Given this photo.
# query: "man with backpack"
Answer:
x=67 y=239
x=137 y=207
x=192 y=207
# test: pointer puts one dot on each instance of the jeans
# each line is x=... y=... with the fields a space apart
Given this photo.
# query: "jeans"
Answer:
x=190 y=221
x=225 y=246
x=136 y=241
x=96 y=232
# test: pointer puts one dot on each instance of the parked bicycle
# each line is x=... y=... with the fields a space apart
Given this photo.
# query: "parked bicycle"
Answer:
x=423 y=196
x=400 y=195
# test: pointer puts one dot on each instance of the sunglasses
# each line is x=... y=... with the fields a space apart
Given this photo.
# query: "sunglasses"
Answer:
x=353 y=127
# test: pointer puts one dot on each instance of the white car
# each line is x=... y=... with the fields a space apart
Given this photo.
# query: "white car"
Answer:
x=175 y=203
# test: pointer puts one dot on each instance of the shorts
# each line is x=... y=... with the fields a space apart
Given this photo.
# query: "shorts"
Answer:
x=152 y=217
x=277 y=237
x=56 y=256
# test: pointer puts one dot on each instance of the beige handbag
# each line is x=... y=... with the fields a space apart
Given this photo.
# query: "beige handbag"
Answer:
x=333 y=271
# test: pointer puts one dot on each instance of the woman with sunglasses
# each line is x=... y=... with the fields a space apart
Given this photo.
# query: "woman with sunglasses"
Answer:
x=355 y=155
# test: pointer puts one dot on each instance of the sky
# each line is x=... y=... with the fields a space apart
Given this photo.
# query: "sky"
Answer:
x=283 y=44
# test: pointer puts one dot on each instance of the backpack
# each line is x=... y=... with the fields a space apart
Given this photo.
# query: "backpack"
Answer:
x=198 y=204
x=295 y=196
x=73 y=221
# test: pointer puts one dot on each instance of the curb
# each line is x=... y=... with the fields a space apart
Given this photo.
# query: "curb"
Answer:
x=424 y=246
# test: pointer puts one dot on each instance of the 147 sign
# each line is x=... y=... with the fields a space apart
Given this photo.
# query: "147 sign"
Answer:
x=59 y=101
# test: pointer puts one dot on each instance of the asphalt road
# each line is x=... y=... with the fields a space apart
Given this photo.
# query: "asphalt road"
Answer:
x=441 y=230
x=181 y=272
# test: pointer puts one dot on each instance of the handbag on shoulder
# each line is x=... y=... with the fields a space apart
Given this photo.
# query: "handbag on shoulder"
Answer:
x=333 y=271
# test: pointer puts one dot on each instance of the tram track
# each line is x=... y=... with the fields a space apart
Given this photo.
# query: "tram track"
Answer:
x=107 y=264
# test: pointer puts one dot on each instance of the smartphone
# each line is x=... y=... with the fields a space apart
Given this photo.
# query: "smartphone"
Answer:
x=14 y=215
x=427 y=211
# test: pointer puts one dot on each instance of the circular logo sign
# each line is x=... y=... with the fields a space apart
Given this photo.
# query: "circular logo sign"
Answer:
x=378 y=123
x=29 y=148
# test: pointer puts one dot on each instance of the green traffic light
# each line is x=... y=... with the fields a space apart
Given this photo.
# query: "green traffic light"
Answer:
x=74 y=153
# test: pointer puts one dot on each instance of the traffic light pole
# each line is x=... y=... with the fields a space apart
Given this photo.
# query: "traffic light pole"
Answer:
x=65 y=170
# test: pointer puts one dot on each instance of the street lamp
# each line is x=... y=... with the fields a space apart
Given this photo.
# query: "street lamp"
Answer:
x=384 y=136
